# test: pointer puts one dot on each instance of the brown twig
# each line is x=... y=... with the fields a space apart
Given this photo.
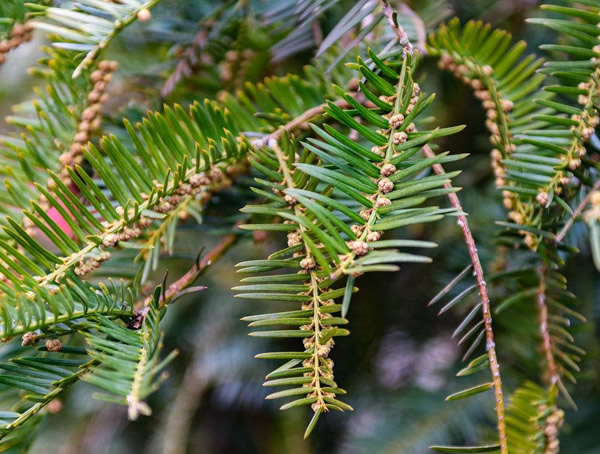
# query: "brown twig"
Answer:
x=419 y=26
x=190 y=276
x=390 y=15
x=485 y=304
x=553 y=376
x=584 y=203
x=300 y=120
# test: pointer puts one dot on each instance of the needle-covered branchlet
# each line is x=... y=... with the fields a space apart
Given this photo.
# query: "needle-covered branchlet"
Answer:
x=200 y=186
x=366 y=233
x=91 y=117
x=480 y=78
x=485 y=306
x=88 y=124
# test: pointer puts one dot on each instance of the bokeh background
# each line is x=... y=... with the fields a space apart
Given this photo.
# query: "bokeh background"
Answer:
x=399 y=362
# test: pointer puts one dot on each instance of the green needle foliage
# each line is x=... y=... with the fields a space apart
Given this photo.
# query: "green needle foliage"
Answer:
x=320 y=186
x=317 y=122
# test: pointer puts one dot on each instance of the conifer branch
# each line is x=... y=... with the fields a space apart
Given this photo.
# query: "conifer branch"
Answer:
x=485 y=306
x=552 y=375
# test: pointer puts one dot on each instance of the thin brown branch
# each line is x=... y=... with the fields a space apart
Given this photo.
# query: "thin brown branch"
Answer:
x=390 y=15
x=584 y=203
x=190 y=276
x=551 y=368
x=419 y=26
x=485 y=305
x=300 y=120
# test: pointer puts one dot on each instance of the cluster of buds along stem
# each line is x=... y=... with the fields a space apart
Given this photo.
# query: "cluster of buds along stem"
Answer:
x=478 y=78
x=319 y=362
x=398 y=133
x=198 y=185
x=91 y=117
x=308 y=263
x=19 y=34
x=93 y=263
x=588 y=120
x=551 y=426
x=542 y=198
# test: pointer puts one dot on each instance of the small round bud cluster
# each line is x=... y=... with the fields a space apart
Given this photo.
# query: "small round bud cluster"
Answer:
x=564 y=180
x=385 y=185
x=29 y=339
x=382 y=202
x=358 y=247
x=290 y=200
x=129 y=233
x=365 y=214
x=308 y=263
x=574 y=163
x=293 y=239
x=400 y=137
x=144 y=15
x=110 y=240
x=323 y=350
x=542 y=198
x=308 y=342
x=53 y=345
x=19 y=34
x=387 y=170
x=357 y=229
x=91 y=117
x=396 y=120
x=55 y=406
x=380 y=151
x=529 y=240
x=388 y=99
x=86 y=267
x=516 y=216
x=554 y=422
x=374 y=236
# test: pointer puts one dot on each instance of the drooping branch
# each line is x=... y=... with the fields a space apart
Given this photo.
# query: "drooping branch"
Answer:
x=485 y=305
x=551 y=369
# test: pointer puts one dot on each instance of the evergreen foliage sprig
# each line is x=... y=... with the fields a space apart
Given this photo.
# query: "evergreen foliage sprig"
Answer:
x=314 y=194
x=348 y=174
